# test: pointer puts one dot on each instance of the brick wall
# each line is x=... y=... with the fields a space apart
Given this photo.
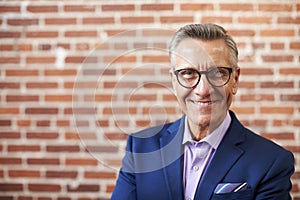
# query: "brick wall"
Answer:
x=77 y=76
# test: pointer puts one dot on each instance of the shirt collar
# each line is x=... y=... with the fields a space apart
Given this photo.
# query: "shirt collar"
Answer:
x=213 y=139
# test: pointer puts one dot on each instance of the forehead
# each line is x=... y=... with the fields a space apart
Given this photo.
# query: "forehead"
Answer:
x=202 y=54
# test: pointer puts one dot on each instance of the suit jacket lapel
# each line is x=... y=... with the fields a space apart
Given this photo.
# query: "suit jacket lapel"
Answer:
x=226 y=155
x=171 y=154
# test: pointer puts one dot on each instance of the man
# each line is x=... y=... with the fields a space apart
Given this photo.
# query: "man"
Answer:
x=207 y=154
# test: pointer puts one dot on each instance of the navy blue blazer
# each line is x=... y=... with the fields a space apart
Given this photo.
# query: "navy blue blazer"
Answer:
x=152 y=167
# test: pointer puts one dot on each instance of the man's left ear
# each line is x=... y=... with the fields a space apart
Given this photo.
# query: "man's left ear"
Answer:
x=235 y=84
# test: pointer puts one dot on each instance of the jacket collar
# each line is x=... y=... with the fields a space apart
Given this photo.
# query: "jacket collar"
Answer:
x=171 y=155
x=226 y=155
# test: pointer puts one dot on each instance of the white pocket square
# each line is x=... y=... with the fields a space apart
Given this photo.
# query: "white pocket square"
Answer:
x=230 y=187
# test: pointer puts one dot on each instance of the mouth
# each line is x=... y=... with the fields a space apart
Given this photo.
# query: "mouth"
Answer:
x=204 y=102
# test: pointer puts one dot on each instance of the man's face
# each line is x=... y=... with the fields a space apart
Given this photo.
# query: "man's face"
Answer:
x=204 y=105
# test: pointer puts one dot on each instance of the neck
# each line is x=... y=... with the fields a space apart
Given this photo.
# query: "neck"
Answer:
x=200 y=131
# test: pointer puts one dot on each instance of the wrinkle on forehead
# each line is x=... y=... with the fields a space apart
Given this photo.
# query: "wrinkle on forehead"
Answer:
x=199 y=55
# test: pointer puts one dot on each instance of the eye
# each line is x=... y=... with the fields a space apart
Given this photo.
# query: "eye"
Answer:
x=188 y=73
x=217 y=72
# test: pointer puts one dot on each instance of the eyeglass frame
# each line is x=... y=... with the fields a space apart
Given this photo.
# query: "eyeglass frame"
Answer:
x=176 y=72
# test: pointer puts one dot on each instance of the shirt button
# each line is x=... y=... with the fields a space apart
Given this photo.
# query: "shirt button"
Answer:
x=195 y=168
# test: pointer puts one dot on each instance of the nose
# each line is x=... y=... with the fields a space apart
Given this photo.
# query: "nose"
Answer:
x=203 y=87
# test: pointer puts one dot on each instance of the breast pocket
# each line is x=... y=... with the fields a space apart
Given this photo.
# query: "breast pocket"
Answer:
x=242 y=195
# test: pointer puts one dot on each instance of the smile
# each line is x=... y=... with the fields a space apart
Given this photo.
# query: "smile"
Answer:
x=204 y=103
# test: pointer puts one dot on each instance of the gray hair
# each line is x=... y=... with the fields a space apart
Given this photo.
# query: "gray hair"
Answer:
x=204 y=32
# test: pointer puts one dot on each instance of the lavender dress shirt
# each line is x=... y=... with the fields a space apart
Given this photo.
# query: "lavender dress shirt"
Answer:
x=197 y=155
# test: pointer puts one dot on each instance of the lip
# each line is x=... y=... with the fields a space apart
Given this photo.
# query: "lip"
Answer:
x=204 y=103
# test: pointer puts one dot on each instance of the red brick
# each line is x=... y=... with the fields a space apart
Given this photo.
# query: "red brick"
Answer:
x=84 y=188
x=62 y=174
x=99 y=175
x=141 y=97
x=277 y=110
x=60 y=21
x=118 y=7
x=255 y=20
x=157 y=7
x=9 y=110
x=81 y=34
x=25 y=47
x=43 y=85
x=40 y=60
x=9 y=85
x=10 y=161
x=6 y=47
x=244 y=32
x=22 y=72
x=23 y=123
x=290 y=97
x=283 y=84
x=256 y=71
x=110 y=188
x=79 y=8
x=289 y=71
x=23 y=148
x=176 y=19
x=243 y=110
x=257 y=97
x=236 y=7
x=139 y=19
x=10 y=34
x=41 y=34
x=64 y=148
x=277 y=32
x=22 y=22
x=277 y=45
x=295 y=45
x=42 y=8
x=169 y=97
x=41 y=111
x=81 y=161
x=196 y=6
x=43 y=161
x=275 y=7
x=21 y=98
x=6 y=60
x=7 y=8
x=159 y=59
x=119 y=59
x=9 y=187
x=216 y=19
x=4 y=122
x=65 y=72
x=98 y=20
x=102 y=148
x=117 y=136
x=62 y=123
x=42 y=135
x=10 y=135
x=59 y=98
x=43 y=123
x=246 y=84
x=39 y=187
x=82 y=111
x=277 y=58
x=289 y=20
x=23 y=173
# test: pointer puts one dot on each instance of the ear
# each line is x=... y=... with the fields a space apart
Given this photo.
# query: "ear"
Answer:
x=235 y=84
x=173 y=80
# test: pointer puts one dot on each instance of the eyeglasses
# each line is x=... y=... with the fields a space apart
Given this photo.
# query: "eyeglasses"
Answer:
x=216 y=76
